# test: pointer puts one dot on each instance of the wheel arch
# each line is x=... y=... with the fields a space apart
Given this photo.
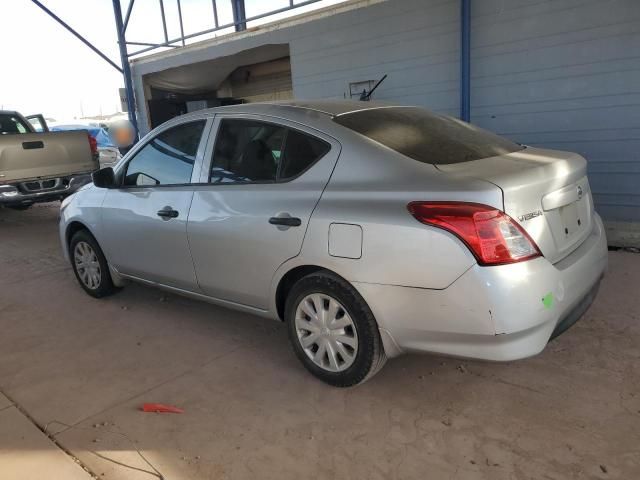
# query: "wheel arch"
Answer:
x=295 y=273
x=288 y=280
x=74 y=227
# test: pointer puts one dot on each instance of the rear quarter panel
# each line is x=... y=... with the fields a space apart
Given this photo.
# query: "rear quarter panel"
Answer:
x=371 y=187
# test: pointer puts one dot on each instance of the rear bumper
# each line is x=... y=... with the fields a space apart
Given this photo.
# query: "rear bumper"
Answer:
x=15 y=195
x=497 y=313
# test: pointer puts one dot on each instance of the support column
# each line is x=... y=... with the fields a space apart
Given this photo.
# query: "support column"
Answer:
x=239 y=15
x=126 y=70
x=465 y=60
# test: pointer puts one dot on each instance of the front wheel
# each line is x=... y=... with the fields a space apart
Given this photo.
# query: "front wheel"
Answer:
x=333 y=331
x=90 y=265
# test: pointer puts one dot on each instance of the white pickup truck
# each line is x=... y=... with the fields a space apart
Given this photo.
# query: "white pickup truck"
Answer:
x=41 y=167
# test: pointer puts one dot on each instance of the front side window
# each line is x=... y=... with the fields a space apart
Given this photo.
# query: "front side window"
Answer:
x=167 y=159
x=425 y=136
x=248 y=151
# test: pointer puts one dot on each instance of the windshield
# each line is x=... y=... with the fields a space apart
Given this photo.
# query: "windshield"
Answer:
x=425 y=136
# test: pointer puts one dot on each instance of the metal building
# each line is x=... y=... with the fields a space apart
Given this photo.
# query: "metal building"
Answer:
x=562 y=74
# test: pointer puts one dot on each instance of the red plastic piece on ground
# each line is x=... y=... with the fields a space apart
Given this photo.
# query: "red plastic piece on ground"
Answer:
x=160 y=408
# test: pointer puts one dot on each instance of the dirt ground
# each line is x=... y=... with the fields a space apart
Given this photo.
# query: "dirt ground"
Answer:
x=81 y=368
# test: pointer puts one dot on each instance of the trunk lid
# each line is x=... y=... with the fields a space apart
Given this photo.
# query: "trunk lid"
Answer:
x=545 y=191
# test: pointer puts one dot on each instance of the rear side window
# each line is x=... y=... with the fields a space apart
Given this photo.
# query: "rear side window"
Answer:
x=10 y=124
x=250 y=151
x=425 y=136
x=300 y=152
x=167 y=159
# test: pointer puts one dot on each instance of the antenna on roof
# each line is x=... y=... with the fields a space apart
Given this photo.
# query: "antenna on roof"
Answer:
x=365 y=97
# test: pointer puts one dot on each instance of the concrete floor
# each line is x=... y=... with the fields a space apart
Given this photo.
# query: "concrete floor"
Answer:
x=252 y=411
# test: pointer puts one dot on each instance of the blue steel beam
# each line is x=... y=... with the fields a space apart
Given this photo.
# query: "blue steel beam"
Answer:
x=215 y=13
x=126 y=70
x=221 y=27
x=180 y=21
x=239 y=15
x=465 y=60
x=127 y=16
x=77 y=35
x=164 y=21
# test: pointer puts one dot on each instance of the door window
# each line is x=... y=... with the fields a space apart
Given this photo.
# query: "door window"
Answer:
x=300 y=152
x=249 y=151
x=167 y=159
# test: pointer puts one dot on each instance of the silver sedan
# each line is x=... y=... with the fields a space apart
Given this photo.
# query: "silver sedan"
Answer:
x=370 y=230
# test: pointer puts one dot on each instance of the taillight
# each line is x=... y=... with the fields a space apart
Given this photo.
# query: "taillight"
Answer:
x=491 y=235
x=93 y=144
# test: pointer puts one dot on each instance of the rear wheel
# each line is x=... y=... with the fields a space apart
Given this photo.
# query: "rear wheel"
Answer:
x=89 y=265
x=333 y=331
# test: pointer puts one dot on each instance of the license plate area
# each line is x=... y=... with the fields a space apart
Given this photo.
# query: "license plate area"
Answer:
x=573 y=221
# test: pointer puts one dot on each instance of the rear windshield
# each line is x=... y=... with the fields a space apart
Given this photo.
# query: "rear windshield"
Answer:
x=425 y=136
x=10 y=124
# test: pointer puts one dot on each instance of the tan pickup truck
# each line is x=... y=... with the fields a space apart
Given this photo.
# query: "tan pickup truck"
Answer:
x=41 y=167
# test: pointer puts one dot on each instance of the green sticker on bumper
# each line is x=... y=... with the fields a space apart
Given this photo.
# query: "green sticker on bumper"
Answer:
x=547 y=300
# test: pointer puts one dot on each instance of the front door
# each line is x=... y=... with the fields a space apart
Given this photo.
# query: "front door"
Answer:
x=263 y=182
x=145 y=221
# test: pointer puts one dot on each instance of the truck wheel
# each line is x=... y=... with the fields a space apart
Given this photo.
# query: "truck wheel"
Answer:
x=90 y=265
x=333 y=331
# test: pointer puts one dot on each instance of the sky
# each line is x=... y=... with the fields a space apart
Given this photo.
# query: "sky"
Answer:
x=47 y=70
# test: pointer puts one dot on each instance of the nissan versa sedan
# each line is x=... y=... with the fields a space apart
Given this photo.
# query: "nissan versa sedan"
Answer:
x=370 y=230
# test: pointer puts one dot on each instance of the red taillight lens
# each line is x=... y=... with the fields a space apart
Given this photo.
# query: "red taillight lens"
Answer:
x=93 y=144
x=491 y=235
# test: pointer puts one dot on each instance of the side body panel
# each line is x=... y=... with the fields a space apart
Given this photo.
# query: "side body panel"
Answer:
x=236 y=250
x=371 y=187
x=140 y=243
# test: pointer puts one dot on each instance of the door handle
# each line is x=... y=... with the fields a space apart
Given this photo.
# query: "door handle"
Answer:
x=285 y=221
x=167 y=213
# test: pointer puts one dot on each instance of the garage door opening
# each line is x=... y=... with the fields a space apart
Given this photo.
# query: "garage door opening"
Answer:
x=254 y=75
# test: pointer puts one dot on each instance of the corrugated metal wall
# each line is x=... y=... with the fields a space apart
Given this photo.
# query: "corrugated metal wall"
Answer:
x=565 y=75
x=415 y=42
x=562 y=74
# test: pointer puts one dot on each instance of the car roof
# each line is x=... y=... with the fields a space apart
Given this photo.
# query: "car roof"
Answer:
x=330 y=108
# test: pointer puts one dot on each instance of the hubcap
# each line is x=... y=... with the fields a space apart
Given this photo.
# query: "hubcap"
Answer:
x=87 y=265
x=326 y=332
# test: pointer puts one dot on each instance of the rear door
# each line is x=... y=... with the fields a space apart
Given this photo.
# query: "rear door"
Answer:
x=262 y=180
x=144 y=222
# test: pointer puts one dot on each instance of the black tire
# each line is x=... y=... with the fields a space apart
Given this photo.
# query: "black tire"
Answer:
x=370 y=356
x=105 y=285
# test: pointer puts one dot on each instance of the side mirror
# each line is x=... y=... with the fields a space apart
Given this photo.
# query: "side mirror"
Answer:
x=104 y=178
